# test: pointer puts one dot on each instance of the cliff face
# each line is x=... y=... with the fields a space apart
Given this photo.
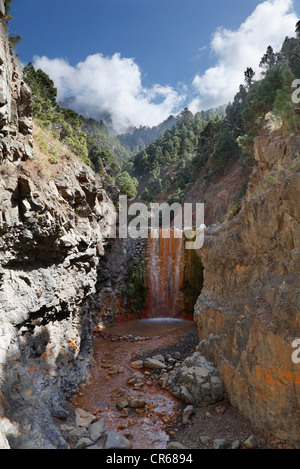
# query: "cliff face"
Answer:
x=248 y=313
x=54 y=221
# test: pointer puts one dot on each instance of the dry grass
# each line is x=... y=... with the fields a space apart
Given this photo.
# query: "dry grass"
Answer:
x=278 y=175
x=48 y=150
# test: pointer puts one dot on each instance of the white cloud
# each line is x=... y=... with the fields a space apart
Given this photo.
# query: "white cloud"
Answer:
x=111 y=85
x=269 y=24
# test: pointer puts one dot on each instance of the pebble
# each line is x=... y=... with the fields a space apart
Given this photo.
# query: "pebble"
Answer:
x=122 y=404
x=160 y=358
x=204 y=440
x=137 y=364
x=251 y=443
x=176 y=445
x=137 y=403
x=132 y=381
x=116 y=441
x=154 y=364
x=236 y=444
x=188 y=411
x=125 y=412
x=221 y=444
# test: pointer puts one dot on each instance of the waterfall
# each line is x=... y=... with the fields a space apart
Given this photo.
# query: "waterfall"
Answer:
x=165 y=275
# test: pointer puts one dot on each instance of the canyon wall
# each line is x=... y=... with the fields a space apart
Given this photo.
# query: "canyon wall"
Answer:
x=54 y=222
x=248 y=313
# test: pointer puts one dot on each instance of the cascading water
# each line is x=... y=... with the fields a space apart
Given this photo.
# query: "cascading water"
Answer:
x=165 y=275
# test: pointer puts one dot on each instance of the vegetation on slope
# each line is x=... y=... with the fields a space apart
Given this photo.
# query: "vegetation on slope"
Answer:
x=137 y=139
x=189 y=146
x=196 y=146
x=87 y=139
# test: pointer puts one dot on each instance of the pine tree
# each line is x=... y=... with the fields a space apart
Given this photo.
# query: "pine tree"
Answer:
x=268 y=60
x=249 y=77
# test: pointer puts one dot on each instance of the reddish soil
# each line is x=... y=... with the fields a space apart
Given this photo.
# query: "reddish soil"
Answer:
x=160 y=421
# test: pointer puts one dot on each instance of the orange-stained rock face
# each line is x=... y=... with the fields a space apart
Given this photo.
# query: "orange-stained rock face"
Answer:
x=249 y=311
x=165 y=276
x=174 y=276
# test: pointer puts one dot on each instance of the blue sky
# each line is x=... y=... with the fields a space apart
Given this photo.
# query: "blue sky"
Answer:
x=142 y=60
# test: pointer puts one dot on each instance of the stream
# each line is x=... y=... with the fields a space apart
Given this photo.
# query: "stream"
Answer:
x=115 y=348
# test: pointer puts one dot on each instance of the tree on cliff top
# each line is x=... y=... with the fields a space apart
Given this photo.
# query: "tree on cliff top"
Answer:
x=268 y=60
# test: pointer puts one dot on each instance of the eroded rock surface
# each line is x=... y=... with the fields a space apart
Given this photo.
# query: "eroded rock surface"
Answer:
x=53 y=229
x=248 y=314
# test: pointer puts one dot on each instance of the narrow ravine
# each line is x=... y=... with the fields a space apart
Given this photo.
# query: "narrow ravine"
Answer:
x=129 y=398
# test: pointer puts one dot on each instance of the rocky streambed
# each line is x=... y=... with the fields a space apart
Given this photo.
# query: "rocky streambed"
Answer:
x=142 y=395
